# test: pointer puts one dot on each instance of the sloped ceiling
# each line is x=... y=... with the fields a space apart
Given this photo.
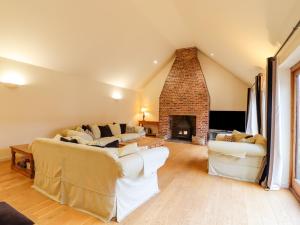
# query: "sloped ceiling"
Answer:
x=116 y=41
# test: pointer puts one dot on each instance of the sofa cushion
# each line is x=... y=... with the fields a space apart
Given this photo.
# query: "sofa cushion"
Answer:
x=69 y=139
x=123 y=128
x=104 y=141
x=237 y=136
x=115 y=129
x=228 y=138
x=250 y=140
x=95 y=130
x=105 y=131
x=74 y=133
x=86 y=127
x=260 y=140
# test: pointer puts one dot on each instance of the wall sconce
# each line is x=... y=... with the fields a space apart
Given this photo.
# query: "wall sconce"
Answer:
x=12 y=80
x=117 y=95
x=144 y=110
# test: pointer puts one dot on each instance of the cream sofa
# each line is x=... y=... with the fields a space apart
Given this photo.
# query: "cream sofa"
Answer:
x=241 y=161
x=95 y=180
x=94 y=137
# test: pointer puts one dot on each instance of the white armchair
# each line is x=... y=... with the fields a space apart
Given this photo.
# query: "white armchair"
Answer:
x=241 y=161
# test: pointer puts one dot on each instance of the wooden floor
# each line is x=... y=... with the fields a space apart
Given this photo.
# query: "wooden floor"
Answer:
x=188 y=196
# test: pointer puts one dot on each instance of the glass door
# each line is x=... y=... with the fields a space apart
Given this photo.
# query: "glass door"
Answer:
x=296 y=133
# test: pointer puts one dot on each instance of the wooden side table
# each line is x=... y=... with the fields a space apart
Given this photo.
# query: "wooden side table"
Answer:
x=150 y=123
x=26 y=154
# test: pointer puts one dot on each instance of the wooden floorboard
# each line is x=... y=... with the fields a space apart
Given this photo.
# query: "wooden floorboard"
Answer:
x=189 y=196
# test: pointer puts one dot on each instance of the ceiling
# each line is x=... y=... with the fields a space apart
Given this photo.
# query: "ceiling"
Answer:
x=117 y=41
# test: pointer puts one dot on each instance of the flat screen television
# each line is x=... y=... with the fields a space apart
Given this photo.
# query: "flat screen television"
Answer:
x=227 y=120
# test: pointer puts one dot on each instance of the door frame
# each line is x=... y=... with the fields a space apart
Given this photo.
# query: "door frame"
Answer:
x=295 y=186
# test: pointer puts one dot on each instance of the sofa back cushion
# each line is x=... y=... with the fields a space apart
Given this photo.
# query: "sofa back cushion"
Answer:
x=130 y=129
x=95 y=130
x=115 y=129
x=74 y=133
x=260 y=140
x=123 y=128
x=237 y=136
x=105 y=131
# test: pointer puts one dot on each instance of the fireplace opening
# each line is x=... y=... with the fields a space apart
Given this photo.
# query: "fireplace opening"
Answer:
x=182 y=127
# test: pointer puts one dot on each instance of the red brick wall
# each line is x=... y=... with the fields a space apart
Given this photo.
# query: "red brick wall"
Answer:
x=185 y=93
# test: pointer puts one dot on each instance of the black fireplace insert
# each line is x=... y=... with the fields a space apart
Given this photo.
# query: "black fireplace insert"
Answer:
x=183 y=127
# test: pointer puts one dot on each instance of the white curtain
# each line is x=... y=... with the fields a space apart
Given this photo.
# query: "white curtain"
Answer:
x=276 y=153
x=252 y=125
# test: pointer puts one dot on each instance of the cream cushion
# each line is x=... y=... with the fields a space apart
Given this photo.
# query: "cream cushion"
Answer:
x=82 y=135
x=79 y=139
x=237 y=136
x=260 y=140
x=115 y=129
x=95 y=130
x=250 y=140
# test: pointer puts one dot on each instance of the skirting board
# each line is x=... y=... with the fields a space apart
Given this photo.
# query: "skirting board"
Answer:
x=5 y=154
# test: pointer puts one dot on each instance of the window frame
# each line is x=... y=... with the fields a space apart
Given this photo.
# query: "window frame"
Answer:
x=295 y=184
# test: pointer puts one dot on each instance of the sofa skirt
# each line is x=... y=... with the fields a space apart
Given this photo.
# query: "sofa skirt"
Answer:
x=131 y=193
x=245 y=169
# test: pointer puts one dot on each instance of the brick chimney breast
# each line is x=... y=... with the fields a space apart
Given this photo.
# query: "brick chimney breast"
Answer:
x=185 y=93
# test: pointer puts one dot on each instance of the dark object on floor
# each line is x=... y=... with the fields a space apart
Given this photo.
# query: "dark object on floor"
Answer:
x=10 y=216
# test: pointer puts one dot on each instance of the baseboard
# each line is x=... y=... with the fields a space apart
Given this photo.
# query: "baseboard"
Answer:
x=5 y=154
x=295 y=194
x=2 y=159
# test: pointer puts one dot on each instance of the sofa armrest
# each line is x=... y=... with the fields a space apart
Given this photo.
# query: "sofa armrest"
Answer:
x=144 y=162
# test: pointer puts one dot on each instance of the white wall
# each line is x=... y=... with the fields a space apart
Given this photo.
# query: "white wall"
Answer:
x=227 y=92
x=51 y=101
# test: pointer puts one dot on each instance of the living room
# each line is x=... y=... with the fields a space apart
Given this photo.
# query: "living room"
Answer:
x=189 y=108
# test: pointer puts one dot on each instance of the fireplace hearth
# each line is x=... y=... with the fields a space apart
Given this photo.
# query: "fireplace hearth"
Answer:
x=183 y=127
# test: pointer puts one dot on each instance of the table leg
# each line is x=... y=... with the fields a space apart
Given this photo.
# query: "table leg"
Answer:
x=13 y=159
x=31 y=168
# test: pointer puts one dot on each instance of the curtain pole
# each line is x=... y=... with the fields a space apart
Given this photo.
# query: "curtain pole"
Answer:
x=288 y=38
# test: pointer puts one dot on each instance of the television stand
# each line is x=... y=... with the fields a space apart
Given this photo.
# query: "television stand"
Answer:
x=212 y=134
